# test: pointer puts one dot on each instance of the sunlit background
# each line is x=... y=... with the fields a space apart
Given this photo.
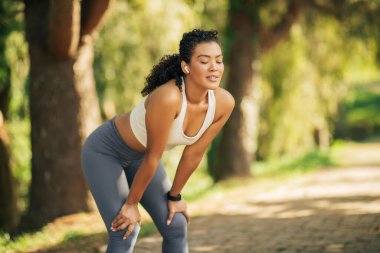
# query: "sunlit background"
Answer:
x=313 y=99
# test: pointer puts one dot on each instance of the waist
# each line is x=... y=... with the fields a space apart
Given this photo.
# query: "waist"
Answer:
x=107 y=140
x=123 y=126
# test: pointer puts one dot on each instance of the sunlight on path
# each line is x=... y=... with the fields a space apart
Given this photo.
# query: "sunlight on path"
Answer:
x=354 y=154
x=332 y=210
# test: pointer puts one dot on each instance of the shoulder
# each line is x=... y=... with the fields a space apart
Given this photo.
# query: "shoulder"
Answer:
x=224 y=98
x=167 y=94
x=224 y=101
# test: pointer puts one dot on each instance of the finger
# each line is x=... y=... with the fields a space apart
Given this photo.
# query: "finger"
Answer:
x=123 y=225
x=129 y=231
x=119 y=222
x=171 y=215
x=114 y=222
x=187 y=216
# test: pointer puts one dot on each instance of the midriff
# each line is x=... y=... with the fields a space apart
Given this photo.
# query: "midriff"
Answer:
x=123 y=126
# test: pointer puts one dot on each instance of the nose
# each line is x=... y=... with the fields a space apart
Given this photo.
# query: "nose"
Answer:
x=214 y=66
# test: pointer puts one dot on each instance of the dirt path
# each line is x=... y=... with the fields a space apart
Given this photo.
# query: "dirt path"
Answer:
x=333 y=210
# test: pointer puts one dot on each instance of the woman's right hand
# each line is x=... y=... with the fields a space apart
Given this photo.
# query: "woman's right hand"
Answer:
x=127 y=218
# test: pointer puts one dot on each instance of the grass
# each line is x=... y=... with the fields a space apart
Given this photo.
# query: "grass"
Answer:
x=51 y=234
x=293 y=166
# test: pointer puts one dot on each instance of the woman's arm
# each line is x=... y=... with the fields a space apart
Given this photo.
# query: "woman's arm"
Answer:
x=160 y=113
x=192 y=154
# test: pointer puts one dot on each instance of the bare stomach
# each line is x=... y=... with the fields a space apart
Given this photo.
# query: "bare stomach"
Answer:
x=124 y=128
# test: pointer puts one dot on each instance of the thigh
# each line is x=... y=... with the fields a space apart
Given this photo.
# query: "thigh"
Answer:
x=106 y=180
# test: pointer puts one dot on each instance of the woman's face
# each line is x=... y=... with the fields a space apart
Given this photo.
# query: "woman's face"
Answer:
x=206 y=65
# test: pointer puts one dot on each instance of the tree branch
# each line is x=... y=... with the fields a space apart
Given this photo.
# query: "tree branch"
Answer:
x=92 y=15
x=64 y=28
x=333 y=8
x=270 y=37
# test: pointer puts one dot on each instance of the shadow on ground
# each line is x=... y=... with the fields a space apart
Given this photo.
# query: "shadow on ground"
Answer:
x=300 y=226
x=332 y=210
x=75 y=242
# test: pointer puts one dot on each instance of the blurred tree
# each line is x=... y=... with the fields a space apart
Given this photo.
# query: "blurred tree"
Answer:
x=248 y=36
x=360 y=22
x=63 y=103
x=298 y=100
x=254 y=28
x=8 y=195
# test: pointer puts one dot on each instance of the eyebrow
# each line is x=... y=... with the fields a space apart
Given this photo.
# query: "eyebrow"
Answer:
x=205 y=55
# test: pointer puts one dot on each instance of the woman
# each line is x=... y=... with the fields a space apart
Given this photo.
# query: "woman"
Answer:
x=121 y=158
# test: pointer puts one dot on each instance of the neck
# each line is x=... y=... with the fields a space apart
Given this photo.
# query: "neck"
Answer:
x=194 y=94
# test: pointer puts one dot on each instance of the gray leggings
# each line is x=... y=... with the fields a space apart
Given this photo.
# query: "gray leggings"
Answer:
x=109 y=166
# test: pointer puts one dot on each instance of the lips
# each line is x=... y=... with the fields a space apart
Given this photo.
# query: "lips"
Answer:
x=213 y=78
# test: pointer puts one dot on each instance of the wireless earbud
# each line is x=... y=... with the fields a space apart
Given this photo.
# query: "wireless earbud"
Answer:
x=187 y=70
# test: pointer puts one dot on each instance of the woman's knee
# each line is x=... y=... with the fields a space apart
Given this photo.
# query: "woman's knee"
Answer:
x=116 y=240
x=177 y=227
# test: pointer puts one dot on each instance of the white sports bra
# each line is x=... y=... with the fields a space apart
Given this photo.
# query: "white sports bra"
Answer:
x=176 y=135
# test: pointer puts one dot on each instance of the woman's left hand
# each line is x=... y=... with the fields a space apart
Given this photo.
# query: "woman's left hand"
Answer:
x=177 y=207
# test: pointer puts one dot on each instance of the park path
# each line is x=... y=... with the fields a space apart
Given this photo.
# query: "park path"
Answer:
x=332 y=210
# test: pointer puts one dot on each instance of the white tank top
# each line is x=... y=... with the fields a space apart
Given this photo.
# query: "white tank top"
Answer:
x=176 y=135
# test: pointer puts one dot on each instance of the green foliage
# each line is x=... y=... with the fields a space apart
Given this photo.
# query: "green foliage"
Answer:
x=17 y=56
x=126 y=50
x=286 y=126
x=72 y=235
x=271 y=12
x=365 y=107
x=14 y=59
x=10 y=23
x=213 y=14
x=302 y=88
x=359 y=114
x=19 y=131
x=13 y=71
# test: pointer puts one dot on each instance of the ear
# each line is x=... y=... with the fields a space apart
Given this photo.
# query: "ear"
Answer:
x=184 y=67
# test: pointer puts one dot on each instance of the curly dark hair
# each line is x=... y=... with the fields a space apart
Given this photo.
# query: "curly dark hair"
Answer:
x=169 y=66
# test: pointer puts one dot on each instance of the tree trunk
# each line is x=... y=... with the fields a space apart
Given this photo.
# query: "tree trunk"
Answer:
x=235 y=151
x=249 y=39
x=63 y=110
